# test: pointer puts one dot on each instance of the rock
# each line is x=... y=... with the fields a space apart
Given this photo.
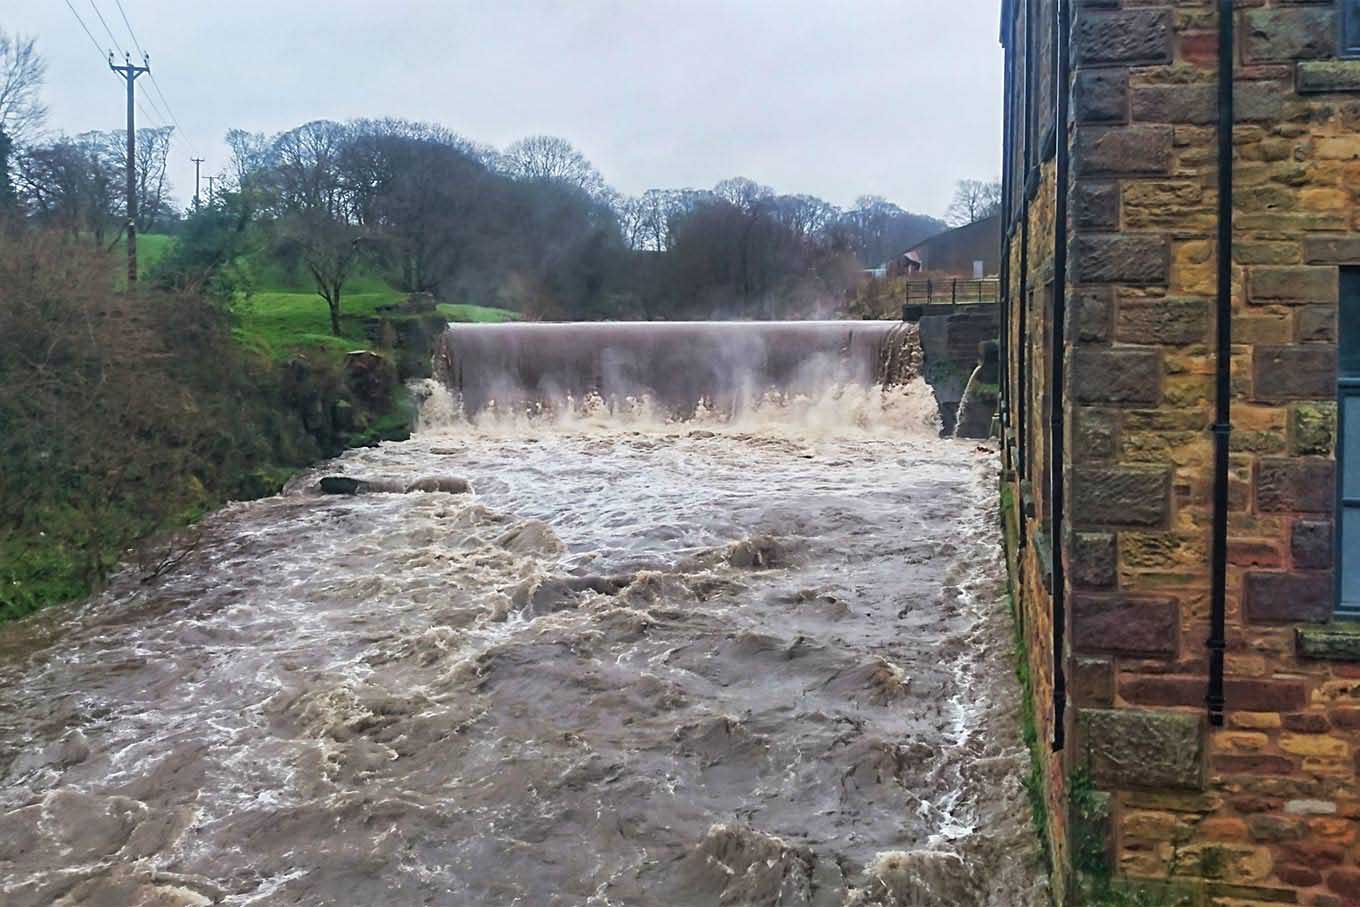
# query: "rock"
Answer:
x=347 y=485
x=441 y=484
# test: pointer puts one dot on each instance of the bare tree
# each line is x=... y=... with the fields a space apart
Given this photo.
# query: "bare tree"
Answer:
x=547 y=157
x=317 y=217
x=21 y=77
x=72 y=184
x=973 y=201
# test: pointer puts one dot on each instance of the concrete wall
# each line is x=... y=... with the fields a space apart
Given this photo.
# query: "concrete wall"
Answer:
x=1264 y=809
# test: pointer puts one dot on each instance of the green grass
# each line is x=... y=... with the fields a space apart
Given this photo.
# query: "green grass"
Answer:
x=282 y=324
x=476 y=313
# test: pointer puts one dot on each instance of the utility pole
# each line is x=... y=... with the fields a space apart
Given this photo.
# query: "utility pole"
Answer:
x=197 y=161
x=130 y=71
x=211 y=188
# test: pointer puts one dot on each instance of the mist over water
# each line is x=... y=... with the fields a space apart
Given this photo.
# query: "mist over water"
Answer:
x=695 y=652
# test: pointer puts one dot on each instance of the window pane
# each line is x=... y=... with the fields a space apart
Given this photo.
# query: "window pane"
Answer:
x=1350 y=556
x=1351 y=454
x=1351 y=27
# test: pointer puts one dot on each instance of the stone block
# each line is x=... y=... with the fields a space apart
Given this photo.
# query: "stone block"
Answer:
x=1120 y=496
x=1167 y=321
x=1293 y=285
x=1095 y=436
x=1116 y=376
x=1139 y=748
x=1242 y=694
x=1259 y=101
x=1330 y=643
x=1327 y=76
x=1311 y=544
x=1090 y=681
x=1286 y=34
x=1124 y=625
x=1281 y=373
x=1095 y=205
x=1295 y=485
x=1133 y=36
x=1092 y=559
x=1313 y=429
x=1196 y=104
x=1331 y=250
x=1287 y=597
x=1122 y=150
x=1101 y=96
x=1315 y=323
x=1121 y=258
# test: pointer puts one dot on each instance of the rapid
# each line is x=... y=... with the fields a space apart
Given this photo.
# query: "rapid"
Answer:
x=741 y=641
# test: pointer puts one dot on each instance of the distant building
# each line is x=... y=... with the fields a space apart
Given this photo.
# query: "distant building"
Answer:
x=1181 y=411
x=972 y=251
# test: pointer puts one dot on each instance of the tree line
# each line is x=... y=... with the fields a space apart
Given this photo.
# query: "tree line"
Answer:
x=533 y=227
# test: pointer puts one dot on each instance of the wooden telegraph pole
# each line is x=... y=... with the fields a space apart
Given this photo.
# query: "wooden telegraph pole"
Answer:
x=130 y=71
x=197 y=161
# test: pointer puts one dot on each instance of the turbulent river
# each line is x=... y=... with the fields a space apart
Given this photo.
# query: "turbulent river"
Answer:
x=734 y=660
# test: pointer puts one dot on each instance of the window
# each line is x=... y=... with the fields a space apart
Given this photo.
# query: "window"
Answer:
x=1348 y=445
x=1350 y=28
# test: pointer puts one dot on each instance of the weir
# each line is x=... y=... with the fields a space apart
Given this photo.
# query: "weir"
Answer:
x=677 y=366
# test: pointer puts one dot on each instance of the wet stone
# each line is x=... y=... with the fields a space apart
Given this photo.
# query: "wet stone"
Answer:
x=1138 y=748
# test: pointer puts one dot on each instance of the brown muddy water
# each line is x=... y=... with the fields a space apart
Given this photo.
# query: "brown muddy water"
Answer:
x=750 y=659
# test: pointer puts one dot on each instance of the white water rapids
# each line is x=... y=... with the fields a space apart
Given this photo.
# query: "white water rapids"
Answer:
x=755 y=660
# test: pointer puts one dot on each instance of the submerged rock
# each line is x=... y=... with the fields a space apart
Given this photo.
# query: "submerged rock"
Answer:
x=348 y=485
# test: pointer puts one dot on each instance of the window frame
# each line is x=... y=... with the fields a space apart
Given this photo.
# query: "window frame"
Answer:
x=1347 y=389
x=1348 y=22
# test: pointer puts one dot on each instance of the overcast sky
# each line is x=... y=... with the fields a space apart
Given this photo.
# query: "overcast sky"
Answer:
x=837 y=98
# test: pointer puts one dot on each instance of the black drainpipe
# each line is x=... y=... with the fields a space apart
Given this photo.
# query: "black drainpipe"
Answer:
x=1022 y=303
x=1004 y=269
x=1056 y=491
x=1223 y=392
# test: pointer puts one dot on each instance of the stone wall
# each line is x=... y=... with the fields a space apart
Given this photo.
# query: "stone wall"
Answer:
x=1264 y=809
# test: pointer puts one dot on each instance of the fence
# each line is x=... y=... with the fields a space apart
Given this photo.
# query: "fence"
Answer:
x=949 y=290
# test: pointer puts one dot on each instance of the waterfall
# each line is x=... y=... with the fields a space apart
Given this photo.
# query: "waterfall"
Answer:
x=678 y=367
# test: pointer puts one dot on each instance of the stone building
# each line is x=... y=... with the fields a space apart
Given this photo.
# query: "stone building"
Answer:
x=1181 y=374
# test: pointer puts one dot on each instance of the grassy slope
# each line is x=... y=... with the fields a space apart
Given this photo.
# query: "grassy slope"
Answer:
x=285 y=315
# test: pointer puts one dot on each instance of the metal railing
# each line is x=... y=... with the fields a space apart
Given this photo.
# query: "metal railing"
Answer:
x=948 y=290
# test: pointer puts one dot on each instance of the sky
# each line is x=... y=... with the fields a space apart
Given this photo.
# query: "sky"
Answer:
x=835 y=98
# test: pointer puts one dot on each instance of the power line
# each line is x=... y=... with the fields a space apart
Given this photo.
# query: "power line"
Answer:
x=107 y=30
x=165 y=102
x=97 y=49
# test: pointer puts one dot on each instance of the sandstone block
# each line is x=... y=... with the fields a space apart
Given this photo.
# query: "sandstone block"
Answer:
x=1121 y=258
x=1287 y=597
x=1120 y=496
x=1124 y=624
x=1122 y=150
x=1094 y=435
x=1332 y=644
x=1310 y=544
x=1281 y=373
x=1290 y=33
x=1194 y=104
x=1134 y=36
x=1140 y=748
x=1293 y=485
x=1325 y=76
x=1168 y=321
x=1331 y=250
x=1116 y=376
x=1313 y=428
x=1101 y=96
x=1095 y=205
x=1297 y=284
x=1092 y=559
